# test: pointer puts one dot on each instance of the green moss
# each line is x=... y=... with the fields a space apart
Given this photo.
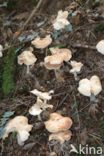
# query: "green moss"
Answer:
x=8 y=73
x=99 y=27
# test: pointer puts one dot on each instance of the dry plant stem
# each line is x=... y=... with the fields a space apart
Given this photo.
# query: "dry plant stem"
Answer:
x=83 y=46
x=75 y=76
x=58 y=75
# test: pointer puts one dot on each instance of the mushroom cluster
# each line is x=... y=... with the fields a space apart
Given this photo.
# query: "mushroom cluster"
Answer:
x=90 y=88
x=59 y=127
x=20 y=125
x=55 y=61
x=61 y=20
x=41 y=102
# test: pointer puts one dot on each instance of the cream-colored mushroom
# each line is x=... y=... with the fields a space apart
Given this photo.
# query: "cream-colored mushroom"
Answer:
x=41 y=43
x=76 y=68
x=43 y=95
x=100 y=47
x=55 y=61
x=61 y=20
x=38 y=107
x=21 y=126
x=1 y=50
x=90 y=88
x=58 y=123
x=61 y=137
x=27 y=58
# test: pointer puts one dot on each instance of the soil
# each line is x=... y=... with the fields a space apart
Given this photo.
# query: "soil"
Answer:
x=88 y=117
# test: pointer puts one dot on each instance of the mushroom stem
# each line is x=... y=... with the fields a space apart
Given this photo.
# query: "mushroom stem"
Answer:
x=39 y=117
x=92 y=98
x=58 y=75
x=75 y=76
x=28 y=69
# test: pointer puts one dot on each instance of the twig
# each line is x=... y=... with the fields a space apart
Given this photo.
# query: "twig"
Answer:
x=83 y=46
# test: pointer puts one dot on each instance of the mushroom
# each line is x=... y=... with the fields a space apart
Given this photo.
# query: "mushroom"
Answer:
x=38 y=107
x=21 y=126
x=41 y=43
x=76 y=68
x=27 y=58
x=1 y=50
x=100 y=47
x=55 y=61
x=61 y=137
x=58 y=123
x=43 y=95
x=61 y=20
x=90 y=88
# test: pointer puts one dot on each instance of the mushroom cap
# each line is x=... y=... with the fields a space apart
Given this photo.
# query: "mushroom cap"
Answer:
x=100 y=47
x=76 y=66
x=38 y=107
x=55 y=61
x=62 y=14
x=35 y=110
x=61 y=136
x=58 y=123
x=61 y=20
x=41 y=43
x=21 y=126
x=84 y=87
x=27 y=58
x=96 y=86
x=92 y=86
x=43 y=95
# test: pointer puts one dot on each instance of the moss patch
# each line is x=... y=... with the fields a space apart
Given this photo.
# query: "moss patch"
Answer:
x=8 y=73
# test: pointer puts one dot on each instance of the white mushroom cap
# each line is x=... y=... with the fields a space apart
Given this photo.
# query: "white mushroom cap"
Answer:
x=56 y=59
x=38 y=107
x=96 y=86
x=27 y=58
x=100 y=47
x=1 y=49
x=41 y=43
x=58 y=123
x=61 y=20
x=61 y=136
x=43 y=95
x=76 y=66
x=92 y=86
x=21 y=126
x=84 y=87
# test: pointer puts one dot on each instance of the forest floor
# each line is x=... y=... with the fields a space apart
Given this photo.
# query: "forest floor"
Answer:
x=87 y=23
